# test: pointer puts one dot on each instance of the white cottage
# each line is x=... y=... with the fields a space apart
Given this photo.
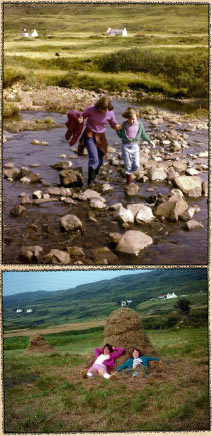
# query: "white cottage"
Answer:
x=34 y=34
x=116 y=32
x=19 y=310
x=172 y=295
x=29 y=310
x=25 y=34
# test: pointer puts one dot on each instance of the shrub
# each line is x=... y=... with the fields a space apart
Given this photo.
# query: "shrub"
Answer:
x=12 y=76
x=10 y=110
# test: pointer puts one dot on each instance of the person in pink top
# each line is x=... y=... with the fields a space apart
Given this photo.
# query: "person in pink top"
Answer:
x=93 y=137
x=104 y=362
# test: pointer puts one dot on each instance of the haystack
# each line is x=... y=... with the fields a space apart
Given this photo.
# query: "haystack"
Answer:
x=38 y=344
x=123 y=329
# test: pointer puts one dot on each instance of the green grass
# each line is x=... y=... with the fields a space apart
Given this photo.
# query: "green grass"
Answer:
x=44 y=393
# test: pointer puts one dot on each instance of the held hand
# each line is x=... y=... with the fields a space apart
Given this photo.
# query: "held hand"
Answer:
x=80 y=120
x=152 y=144
x=118 y=127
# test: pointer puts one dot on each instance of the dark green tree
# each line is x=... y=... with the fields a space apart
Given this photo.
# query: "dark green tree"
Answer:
x=184 y=306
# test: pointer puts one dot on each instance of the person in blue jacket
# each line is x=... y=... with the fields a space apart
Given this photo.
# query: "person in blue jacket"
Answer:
x=138 y=363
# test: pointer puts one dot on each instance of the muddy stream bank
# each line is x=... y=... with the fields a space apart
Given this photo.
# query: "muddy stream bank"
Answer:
x=40 y=225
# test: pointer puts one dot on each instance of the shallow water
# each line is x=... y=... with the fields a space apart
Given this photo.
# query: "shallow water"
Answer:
x=174 y=246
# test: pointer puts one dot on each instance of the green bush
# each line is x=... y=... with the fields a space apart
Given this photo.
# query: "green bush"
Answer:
x=12 y=76
x=10 y=110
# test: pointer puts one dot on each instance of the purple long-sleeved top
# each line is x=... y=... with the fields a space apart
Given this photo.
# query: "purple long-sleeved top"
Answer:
x=97 y=120
x=109 y=363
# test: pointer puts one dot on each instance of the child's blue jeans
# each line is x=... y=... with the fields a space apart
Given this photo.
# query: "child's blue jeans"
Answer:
x=131 y=157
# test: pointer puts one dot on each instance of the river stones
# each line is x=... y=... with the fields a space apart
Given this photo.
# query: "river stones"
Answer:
x=58 y=257
x=189 y=185
x=203 y=154
x=64 y=165
x=64 y=192
x=172 y=208
x=156 y=173
x=144 y=215
x=135 y=207
x=123 y=215
x=8 y=165
x=37 y=194
x=17 y=210
x=192 y=172
x=32 y=252
x=171 y=173
x=188 y=214
x=75 y=251
x=205 y=189
x=38 y=142
x=193 y=225
x=70 y=222
x=133 y=241
x=98 y=203
x=131 y=190
x=88 y=194
x=103 y=255
x=114 y=237
x=71 y=178
x=11 y=173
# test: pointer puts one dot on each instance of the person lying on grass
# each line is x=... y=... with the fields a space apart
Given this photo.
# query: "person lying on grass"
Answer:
x=137 y=363
x=104 y=362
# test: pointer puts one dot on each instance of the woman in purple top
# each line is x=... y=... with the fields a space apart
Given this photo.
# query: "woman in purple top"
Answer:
x=104 y=362
x=93 y=137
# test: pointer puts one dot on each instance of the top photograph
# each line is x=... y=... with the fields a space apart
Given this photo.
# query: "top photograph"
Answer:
x=105 y=133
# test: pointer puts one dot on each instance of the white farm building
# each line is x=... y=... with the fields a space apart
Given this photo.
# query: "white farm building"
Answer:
x=33 y=34
x=116 y=32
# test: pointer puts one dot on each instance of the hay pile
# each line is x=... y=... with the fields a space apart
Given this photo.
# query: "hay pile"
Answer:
x=123 y=329
x=38 y=344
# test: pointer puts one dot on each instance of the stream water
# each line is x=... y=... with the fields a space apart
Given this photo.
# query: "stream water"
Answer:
x=174 y=246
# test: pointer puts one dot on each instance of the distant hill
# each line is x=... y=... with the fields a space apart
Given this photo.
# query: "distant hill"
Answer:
x=97 y=300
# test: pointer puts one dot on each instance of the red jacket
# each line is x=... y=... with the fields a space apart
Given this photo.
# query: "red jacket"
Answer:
x=74 y=127
x=109 y=363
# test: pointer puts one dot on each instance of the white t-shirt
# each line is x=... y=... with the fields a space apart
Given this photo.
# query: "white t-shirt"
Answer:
x=100 y=359
x=137 y=361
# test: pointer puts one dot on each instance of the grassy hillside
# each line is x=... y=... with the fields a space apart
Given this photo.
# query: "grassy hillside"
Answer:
x=77 y=34
x=45 y=394
x=97 y=300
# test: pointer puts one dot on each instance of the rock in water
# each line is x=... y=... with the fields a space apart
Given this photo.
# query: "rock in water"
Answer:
x=30 y=252
x=193 y=225
x=71 y=178
x=145 y=215
x=70 y=222
x=189 y=185
x=133 y=242
x=58 y=256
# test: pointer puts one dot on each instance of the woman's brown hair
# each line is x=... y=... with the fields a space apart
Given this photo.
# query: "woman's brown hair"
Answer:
x=136 y=349
x=104 y=103
x=130 y=112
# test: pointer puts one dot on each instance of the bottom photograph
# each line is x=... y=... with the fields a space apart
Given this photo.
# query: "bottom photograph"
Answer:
x=105 y=350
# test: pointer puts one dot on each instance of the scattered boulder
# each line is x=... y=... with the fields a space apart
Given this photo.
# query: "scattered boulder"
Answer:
x=31 y=252
x=12 y=173
x=115 y=237
x=134 y=208
x=104 y=253
x=70 y=222
x=131 y=190
x=37 y=194
x=133 y=241
x=97 y=203
x=203 y=154
x=75 y=251
x=17 y=210
x=123 y=215
x=8 y=165
x=58 y=256
x=172 y=208
x=71 y=178
x=38 y=142
x=145 y=215
x=192 y=172
x=156 y=173
x=64 y=165
x=189 y=185
x=64 y=192
x=193 y=225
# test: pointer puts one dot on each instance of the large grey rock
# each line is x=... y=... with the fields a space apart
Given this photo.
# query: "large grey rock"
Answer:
x=75 y=251
x=12 y=173
x=115 y=237
x=17 y=210
x=134 y=208
x=189 y=185
x=71 y=178
x=63 y=192
x=31 y=252
x=104 y=253
x=145 y=215
x=63 y=165
x=97 y=203
x=192 y=172
x=70 y=222
x=88 y=194
x=123 y=215
x=58 y=257
x=193 y=225
x=131 y=190
x=157 y=174
x=132 y=242
x=172 y=208
x=179 y=166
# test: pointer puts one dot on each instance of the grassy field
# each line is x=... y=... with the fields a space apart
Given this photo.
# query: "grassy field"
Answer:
x=44 y=393
x=72 y=38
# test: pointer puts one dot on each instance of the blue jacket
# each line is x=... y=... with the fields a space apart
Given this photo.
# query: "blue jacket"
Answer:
x=129 y=363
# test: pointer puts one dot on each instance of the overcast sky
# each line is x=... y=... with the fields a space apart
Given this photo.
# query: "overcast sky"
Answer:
x=16 y=282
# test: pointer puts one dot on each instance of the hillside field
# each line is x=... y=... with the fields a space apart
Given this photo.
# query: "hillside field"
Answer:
x=71 y=39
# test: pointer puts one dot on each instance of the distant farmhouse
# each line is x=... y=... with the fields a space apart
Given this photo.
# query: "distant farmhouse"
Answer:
x=126 y=303
x=33 y=34
x=116 y=32
x=29 y=310
x=168 y=296
x=19 y=310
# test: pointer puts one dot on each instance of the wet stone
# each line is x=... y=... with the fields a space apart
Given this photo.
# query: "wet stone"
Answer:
x=193 y=225
x=58 y=257
x=70 y=222
x=18 y=210
x=31 y=252
x=132 y=242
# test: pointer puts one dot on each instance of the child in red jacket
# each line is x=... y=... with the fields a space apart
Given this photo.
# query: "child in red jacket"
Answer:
x=104 y=362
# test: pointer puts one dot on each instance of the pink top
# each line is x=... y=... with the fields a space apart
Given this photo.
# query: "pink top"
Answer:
x=132 y=130
x=97 y=121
